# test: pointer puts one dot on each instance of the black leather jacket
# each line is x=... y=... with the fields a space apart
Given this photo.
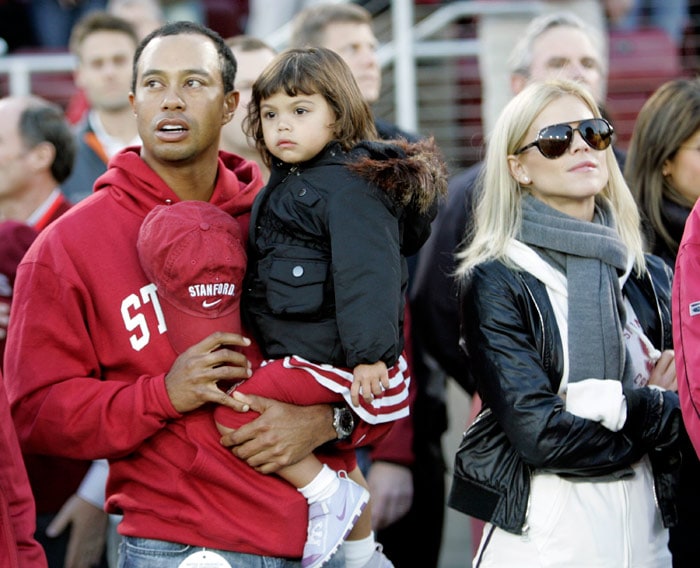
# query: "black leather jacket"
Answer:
x=511 y=335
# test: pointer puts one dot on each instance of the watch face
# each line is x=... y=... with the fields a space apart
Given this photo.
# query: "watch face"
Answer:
x=344 y=422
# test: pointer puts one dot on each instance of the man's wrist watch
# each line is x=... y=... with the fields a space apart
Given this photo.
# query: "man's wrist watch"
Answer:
x=343 y=422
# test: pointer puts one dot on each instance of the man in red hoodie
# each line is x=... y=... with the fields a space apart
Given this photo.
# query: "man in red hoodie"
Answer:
x=91 y=372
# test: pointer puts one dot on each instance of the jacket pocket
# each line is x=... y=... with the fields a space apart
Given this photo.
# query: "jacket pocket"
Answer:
x=296 y=286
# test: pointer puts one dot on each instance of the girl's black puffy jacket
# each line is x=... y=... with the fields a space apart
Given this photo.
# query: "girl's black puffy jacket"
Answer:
x=509 y=331
x=327 y=274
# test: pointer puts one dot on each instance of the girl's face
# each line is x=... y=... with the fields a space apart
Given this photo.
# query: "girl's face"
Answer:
x=296 y=128
x=683 y=171
x=570 y=182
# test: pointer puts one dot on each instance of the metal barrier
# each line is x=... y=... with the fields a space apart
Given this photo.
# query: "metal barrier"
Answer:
x=19 y=68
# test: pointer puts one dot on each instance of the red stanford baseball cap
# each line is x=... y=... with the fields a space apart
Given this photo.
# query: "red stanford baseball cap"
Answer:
x=192 y=251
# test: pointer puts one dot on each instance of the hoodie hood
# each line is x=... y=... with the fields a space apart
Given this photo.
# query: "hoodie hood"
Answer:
x=138 y=188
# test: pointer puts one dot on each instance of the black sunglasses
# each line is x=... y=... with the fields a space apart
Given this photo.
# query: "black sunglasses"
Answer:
x=552 y=141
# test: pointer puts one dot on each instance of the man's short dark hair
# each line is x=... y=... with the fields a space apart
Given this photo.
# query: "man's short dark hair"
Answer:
x=226 y=58
x=42 y=121
x=99 y=21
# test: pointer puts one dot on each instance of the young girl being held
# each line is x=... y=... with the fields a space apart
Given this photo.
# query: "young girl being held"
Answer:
x=327 y=276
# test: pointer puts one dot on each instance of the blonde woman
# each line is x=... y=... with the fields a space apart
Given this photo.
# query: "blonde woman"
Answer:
x=567 y=326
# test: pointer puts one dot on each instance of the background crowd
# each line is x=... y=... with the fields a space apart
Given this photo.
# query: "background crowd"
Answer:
x=57 y=146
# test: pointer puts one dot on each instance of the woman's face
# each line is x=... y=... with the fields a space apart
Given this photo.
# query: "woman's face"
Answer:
x=683 y=171
x=570 y=182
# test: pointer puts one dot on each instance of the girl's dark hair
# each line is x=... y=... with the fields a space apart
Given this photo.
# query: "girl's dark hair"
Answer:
x=226 y=58
x=309 y=71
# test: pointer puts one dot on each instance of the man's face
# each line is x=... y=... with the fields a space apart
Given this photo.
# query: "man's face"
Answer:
x=104 y=70
x=250 y=65
x=14 y=171
x=179 y=100
x=357 y=45
x=565 y=52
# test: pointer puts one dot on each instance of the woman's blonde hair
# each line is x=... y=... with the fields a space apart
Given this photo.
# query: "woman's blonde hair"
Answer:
x=498 y=213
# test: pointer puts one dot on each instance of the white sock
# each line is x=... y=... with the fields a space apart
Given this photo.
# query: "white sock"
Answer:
x=358 y=552
x=322 y=486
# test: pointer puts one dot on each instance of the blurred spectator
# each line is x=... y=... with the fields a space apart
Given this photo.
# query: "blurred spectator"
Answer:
x=267 y=16
x=31 y=170
x=498 y=34
x=252 y=55
x=18 y=549
x=189 y=10
x=36 y=155
x=15 y=239
x=53 y=20
x=669 y=15
x=104 y=45
x=144 y=15
x=663 y=163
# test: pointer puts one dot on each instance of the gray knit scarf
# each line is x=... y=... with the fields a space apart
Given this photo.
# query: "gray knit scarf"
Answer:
x=591 y=256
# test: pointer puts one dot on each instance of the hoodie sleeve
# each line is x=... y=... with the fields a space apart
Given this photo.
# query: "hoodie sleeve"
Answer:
x=60 y=401
x=686 y=326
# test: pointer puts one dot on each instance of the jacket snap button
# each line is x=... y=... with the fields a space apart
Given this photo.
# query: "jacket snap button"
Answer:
x=302 y=192
x=298 y=271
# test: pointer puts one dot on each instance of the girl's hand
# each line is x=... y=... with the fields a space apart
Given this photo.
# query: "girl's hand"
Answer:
x=368 y=381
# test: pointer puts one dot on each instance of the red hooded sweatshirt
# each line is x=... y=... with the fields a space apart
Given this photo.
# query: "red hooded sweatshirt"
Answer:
x=85 y=374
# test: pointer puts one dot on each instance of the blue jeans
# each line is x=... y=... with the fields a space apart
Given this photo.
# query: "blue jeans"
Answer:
x=149 y=553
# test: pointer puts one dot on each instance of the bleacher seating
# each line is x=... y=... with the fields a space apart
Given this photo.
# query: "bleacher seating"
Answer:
x=640 y=62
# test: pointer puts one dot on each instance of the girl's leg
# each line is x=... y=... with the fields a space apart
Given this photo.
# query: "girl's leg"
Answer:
x=363 y=527
x=361 y=549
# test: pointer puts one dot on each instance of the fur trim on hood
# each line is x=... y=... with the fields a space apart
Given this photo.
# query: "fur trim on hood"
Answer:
x=414 y=174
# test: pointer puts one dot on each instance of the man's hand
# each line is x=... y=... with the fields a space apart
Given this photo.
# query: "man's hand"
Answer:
x=282 y=434
x=88 y=526
x=368 y=381
x=391 y=487
x=192 y=380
